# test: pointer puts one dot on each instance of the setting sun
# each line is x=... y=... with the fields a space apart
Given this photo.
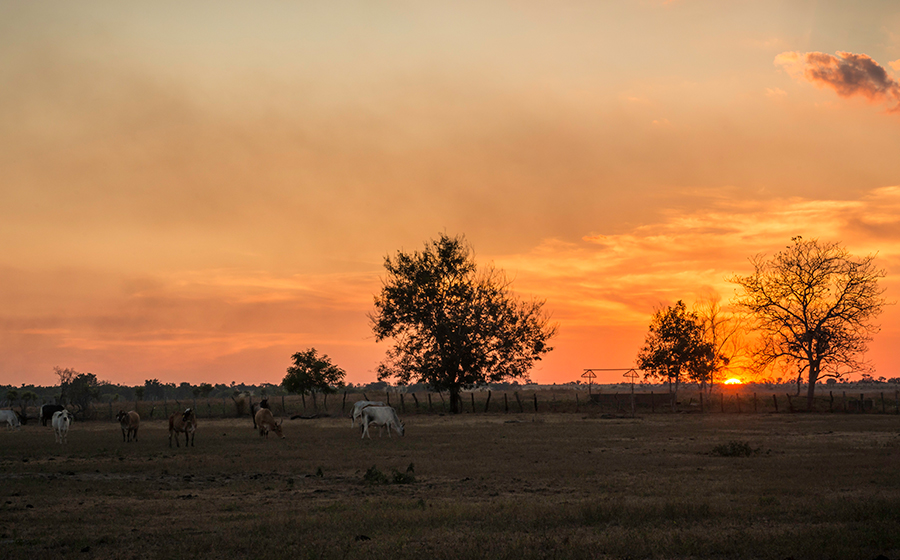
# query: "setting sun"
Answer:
x=733 y=381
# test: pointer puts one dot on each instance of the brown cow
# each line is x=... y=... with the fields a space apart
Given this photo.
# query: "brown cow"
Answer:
x=130 y=421
x=183 y=423
x=265 y=422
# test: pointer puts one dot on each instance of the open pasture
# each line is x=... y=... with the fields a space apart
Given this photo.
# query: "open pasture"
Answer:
x=480 y=486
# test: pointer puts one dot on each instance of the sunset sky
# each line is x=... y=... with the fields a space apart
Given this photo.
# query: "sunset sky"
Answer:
x=195 y=191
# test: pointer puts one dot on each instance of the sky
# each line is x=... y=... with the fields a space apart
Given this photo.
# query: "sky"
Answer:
x=193 y=192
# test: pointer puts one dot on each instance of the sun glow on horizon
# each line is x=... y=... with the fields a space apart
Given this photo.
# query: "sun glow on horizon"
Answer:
x=733 y=381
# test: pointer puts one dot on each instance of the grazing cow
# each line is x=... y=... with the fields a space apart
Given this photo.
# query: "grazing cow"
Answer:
x=381 y=416
x=130 y=421
x=357 y=409
x=61 y=421
x=11 y=419
x=47 y=411
x=265 y=422
x=183 y=423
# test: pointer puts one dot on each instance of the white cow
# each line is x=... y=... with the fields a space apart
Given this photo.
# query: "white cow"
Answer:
x=357 y=409
x=61 y=421
x=11 y=419
x=381 y=416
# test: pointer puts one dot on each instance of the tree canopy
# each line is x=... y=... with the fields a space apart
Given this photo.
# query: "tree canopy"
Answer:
x=675 y=348
x=312 y=373
x=814 y=305
x=452 y=325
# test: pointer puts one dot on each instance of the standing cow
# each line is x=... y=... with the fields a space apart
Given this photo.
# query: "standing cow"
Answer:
x=11 y=419
x=357 y=409
x=183 y=423
x=265 y=422
x=130 y=421
x=384 y=416
x=61 y=421
x=47 y=411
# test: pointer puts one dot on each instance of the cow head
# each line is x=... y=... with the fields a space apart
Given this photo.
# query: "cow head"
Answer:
x=277 y=428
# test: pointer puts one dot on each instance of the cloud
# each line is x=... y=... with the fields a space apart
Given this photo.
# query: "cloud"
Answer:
x=617 y=279
x=848 y=74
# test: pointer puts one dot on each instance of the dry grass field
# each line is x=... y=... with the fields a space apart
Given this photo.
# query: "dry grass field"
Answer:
x=489 y=486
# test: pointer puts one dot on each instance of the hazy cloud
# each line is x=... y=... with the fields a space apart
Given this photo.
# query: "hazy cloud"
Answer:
x=848 y=74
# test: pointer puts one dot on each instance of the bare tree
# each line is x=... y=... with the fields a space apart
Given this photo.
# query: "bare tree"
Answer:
x=814 y=305
x=723 y=329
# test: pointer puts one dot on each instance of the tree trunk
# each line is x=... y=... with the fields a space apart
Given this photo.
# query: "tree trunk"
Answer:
x=454 y=399
x=811 y=390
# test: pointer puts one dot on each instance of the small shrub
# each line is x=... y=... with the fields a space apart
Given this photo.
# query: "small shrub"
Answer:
x=734 y=449
x=375 y=476
x=409 y=477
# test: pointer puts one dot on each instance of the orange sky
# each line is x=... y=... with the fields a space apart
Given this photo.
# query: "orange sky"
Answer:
x=195 y=192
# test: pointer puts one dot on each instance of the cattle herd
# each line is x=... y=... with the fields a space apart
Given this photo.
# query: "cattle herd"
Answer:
x=366 y=413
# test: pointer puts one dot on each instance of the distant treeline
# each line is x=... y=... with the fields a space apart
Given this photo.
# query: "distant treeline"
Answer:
x=154 y=390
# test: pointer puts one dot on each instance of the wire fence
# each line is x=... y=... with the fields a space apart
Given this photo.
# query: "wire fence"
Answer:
x=509 y=402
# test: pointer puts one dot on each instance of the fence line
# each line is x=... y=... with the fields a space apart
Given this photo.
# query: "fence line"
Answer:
x=485 y=402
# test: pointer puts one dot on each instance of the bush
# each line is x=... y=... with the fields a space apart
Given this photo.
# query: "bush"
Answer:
x=376 y=477
x=734 y=449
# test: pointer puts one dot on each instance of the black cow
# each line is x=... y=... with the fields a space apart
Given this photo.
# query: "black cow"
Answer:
x=47 y=411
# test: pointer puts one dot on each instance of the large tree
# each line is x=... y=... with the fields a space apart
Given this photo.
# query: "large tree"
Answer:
x=453 y=326
x=675 y=348
x=814 y=306
x=312 y=373
x=81 y=391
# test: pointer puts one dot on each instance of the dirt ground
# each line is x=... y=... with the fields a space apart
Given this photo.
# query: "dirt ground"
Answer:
x=469 y=486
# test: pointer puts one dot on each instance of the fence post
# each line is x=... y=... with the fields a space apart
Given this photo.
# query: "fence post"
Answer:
x=388 y=398
x=775 y=400
x=862 y=403
x=518 y=400
x=576 y=402
x=535 y=402
x=652 y=402
x=283 y=408
x=343 y=402
x=830 y=401
x=473 y=402
x=415 y=398
x=487 y=403
x=505 y=403
x=790 y=403
x=429 y=402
